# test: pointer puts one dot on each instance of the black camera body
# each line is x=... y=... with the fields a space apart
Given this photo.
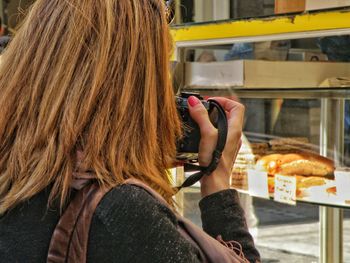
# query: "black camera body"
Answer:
x=188 y=146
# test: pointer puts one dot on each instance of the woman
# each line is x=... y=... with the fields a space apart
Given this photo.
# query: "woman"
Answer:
x=92 y=76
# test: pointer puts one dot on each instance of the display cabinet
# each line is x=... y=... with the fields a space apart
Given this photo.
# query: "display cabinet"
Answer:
x=296 y=108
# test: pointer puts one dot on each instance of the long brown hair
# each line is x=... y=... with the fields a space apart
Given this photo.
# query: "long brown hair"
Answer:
x=91 y=75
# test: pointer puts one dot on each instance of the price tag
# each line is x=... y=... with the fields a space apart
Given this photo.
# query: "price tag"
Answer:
x=258 y=183
x=342 y=182
x=285 y=189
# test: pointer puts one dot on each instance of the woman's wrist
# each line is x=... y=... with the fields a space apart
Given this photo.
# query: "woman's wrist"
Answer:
x=214 y=183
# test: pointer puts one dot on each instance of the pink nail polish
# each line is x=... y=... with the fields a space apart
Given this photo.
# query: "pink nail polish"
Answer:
x=193 y=101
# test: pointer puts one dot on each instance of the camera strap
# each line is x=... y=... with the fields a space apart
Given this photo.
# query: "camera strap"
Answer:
x=222 y=127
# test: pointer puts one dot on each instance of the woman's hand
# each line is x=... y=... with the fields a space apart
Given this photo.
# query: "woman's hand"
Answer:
x=220 y=179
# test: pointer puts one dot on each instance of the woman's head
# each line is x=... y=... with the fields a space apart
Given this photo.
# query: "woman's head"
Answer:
x=89 y=75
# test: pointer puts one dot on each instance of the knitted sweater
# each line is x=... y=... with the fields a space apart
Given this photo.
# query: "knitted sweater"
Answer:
x=128 y=226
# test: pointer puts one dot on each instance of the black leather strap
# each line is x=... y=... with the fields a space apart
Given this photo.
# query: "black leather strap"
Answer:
x=220 y=145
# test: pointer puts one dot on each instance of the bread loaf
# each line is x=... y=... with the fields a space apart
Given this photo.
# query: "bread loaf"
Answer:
x=302 y=163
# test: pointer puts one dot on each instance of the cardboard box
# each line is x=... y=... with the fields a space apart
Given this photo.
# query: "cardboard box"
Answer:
x=325 y=4
x=289 y=6
x=262 y=74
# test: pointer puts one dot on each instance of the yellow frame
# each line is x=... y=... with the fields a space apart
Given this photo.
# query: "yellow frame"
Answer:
x=305 y=22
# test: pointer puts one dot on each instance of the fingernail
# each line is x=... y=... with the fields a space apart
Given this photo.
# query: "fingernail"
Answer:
x=193 y=101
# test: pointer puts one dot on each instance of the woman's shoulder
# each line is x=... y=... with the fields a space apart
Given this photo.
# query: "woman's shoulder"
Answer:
x=130 y=225
x=132 y=204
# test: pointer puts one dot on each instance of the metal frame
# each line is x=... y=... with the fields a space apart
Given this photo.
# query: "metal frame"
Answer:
x=269 y=37
x=317 y=93
x=331 y=219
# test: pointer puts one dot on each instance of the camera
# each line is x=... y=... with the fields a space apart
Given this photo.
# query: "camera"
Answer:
x=188 y=145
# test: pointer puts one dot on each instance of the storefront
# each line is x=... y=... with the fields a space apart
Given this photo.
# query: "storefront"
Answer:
x=288 y=63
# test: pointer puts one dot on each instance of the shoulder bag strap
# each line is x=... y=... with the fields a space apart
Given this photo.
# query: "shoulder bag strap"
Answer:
x=70 y=238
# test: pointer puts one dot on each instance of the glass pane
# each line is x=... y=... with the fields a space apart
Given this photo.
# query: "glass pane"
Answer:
x=297 y=107
x=296 y=63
